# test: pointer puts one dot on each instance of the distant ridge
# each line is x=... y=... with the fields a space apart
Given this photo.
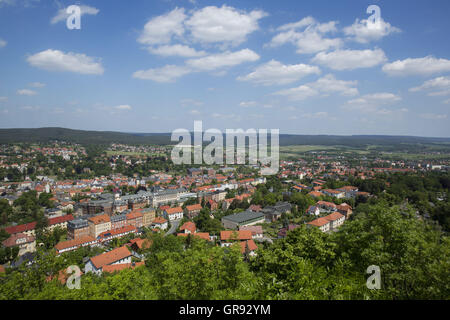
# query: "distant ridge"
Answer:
x=107 y=137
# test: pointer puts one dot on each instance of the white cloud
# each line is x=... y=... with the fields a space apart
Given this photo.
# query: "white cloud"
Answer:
x=223 y=25
x=247 y=104
x=325 y=85
x=168 y=73
x=3 y=98
x=55 y=60
x=191 y=102
x=161 y=29
x=417 y=66
x=433 y=116
x=3 y=43
x=30 y=108
x=311 y=39
x=360 y=32
x=62 y=15
x=299 y=93
x=194 y=112
x=122 y=107
x=274 y=72
x=26 y=92
x=225 y=59
x=350 y=59
x=37 y=84
x=371 y=103
x=176 y=50
x=441 y=84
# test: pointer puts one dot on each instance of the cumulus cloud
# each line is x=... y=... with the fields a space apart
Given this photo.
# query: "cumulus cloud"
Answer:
x=373 y=103
x=350 y=59
x=223 y=25
x=161 y=29
x=220 y=60
x=274 y=72
x=55 y=60
x=439 y=86
x=307 y=35
x=3 y=99
x=325 y=86
x=176 y=50
x=26 y=92
x=3 y=43
x=168 y=73
x=62 y=14
x=361 y=32
x=417 y=66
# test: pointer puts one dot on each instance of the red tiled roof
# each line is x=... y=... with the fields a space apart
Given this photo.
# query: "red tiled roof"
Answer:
x=159 y=220
x=12 y=240
x=73 y=243
x=174 y=210
x=194 y=207
x=61 y=219
x=319 y=222
x=235 y=235
x=134 y=215
x=110 y=257
x=190 y=226
x=21 y=228
x=100 y=219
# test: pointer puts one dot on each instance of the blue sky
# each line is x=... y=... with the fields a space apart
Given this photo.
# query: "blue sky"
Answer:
x=304 y=67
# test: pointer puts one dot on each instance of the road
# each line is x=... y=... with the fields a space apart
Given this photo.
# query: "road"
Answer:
x=174 y=226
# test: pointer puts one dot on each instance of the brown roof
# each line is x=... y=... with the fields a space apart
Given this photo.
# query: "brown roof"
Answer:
x=61 y=219
x=236 y=235
x=159 y=220
x=194 y=207
x=319 y=222
x=12 y=240
x=21 y=228
x=333 y=216
x=110 y=257
x=254 y=229
x=100 y=219
x=174 y=210
x=190 y=226
x=73 y=243
x=134 y=214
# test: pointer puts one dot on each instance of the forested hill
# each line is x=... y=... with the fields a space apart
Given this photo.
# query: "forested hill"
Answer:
x=106 y=137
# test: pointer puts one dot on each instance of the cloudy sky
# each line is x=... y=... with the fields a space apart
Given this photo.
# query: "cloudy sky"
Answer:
x=305 y=67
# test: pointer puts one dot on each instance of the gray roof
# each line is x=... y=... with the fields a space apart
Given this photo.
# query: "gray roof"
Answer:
x=244 y=216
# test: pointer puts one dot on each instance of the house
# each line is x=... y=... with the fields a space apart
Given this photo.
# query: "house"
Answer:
x=245 y=218
x=334 y=193
x=257 y=231
x=114 y=257
x=326 y=206
x=188 y=227
x=228 y=237
x=201 y=235
x=160 y=223
x=27 y=228
x=25 y=243
x=135 y=218
x=74 y=244
x=313 y=210
x=248 y=248
x=60 y=222
x=77 y=229
x=322 y=223
x=345 y=209
x=350 y=191
x=116 y=233
x=148 y=215
x=273 y=213
x=140 y=244
x=193 y=210
x=336 y=220
x=99 y=224
x=173 y=213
